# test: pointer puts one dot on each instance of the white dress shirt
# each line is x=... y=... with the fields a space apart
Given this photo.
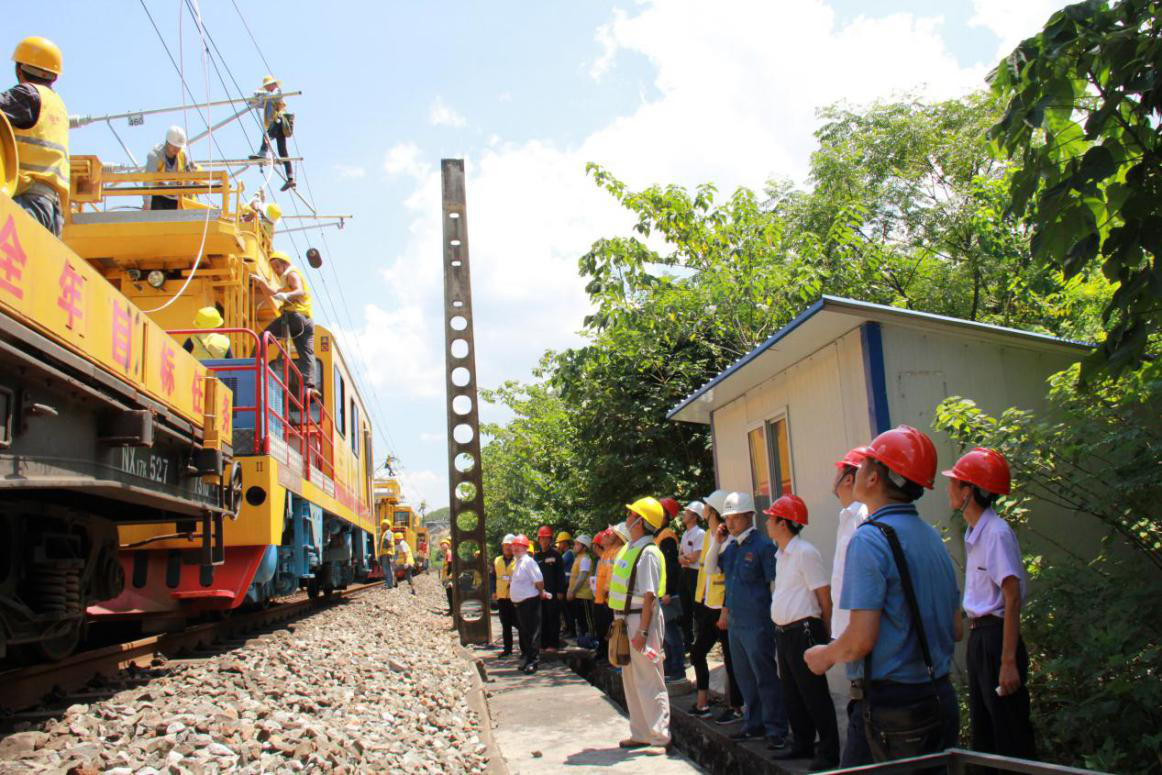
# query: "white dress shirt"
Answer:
x=692 y=544
x=992 y=555
x=525 y=575
x=849 y=519
x=800 y=571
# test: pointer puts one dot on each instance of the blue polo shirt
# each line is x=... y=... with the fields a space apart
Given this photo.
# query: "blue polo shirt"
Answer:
x=750 y=568
x=871 y=581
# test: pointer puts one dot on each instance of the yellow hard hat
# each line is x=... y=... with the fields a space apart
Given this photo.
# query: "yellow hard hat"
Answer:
x=40 y=53
x=268 y=80
x=279 y=256
x=445 y=540
x=564 y=535
x=397 y=535
x=208 y=317
x=272 y=212
x=650 y=510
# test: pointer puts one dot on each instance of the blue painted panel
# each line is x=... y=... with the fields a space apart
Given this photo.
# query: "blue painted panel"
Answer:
x=873 y=368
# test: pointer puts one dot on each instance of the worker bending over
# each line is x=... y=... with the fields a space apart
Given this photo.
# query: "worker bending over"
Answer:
x=40 y=122
x=169 y=156
x=210 y=346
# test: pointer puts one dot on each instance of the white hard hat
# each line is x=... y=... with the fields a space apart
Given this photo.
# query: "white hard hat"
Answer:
x=176 y=136
x=621 y=531
x=585 y=539
x=715 y=500
x=508 y=537
x=738 y=503
x=698 y=507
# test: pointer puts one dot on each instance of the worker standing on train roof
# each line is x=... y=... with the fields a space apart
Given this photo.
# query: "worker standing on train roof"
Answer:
x=527 y=589
x=580 y=594
x=404 y=559
x=564 y=542
x=711 y=628
x=800 y=605
x=446 y=572
x=169 y=156
x=208 y=347
x=994 y=590
x=387 y=554
x=553 y=572
x=293 y=297
x=635 y=590
x=851 y=515
x=276 y=125
x=40 y=122
x=690 y=558
x=502 y=567
x=881 y=645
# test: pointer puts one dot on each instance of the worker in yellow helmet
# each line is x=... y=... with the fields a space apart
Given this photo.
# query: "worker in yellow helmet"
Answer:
x=386 y=553
x=404 y=560
x=169 y=156
x=292 y=299
x=40 y=122
x=635 y=589
x=208 y=347
x=446 y=571
x=276 y=125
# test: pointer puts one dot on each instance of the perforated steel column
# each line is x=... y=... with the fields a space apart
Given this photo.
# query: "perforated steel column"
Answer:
x=465 y=488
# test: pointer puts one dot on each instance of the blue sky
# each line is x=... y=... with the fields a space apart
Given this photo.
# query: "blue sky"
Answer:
x=528 y=92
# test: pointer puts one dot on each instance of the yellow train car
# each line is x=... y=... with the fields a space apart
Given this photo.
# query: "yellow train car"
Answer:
x=305 y=519
x=395 y=516
x=105 y=425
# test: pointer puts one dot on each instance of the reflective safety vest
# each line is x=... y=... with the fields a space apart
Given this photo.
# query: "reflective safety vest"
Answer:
x=388 y=547
x=302 y=304
x=44 y=147
x=604 y=574
x=582 y=591
x=717 y=597
x=210 y=347
x=503 y=569
x=619 y=592
x=179 y=165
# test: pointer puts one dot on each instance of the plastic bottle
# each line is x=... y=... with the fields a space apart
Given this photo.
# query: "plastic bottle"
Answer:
x=652 y=654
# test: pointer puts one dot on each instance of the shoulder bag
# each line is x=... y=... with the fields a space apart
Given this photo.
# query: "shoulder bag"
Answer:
x=918 y=727
x=618 y=636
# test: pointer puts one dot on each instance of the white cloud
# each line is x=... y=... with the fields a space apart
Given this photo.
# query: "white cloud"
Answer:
x=1012 y=21
x=443 y=114
x=424 y=485
x=404 y=159
x=432 y=438
x=350 y=171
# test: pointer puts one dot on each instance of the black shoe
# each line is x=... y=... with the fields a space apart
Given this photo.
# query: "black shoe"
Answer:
x=793 y=752
x=697 y=712
x=258 y=156
x=822 y=763
x=531 y=668
x=728 y=716
x=505 y=653
x=776 y=742
x=748 y=734
x=290 y=183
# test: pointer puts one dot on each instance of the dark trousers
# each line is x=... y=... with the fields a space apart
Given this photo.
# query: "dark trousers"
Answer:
x=45 y=209
x=686 y=592
x=301 y=330
x=278 y=134
x=551 y=623
x=528 y=614
x=999 y=725
x=753 y=645
x=706 y=635
x=807 y=696
x=451 y=608
x=163 y=203
x=890 y=694
x=388 y=571
x=507 y=621
x=582 y=612
x=602 y=619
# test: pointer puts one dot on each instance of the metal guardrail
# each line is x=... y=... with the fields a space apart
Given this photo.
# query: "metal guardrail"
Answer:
x=957 y=761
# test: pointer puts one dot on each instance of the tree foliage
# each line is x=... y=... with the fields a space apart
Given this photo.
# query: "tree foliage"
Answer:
x=1083 y=104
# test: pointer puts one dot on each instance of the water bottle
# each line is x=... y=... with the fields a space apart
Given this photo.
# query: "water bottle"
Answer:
x=652 y=654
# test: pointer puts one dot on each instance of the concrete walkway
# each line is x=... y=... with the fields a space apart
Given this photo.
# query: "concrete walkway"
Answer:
x=556 y=721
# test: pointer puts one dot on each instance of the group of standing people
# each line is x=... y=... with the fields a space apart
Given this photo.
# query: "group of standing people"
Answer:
x=890 y=609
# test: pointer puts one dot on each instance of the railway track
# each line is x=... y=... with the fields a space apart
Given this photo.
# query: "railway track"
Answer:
x=56 y=682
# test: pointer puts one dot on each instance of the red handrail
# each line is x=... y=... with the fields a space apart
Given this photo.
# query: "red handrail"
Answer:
x=256 y=367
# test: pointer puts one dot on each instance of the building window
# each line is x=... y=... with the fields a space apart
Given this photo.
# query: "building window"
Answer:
x=760 y=470
x=780 y=455
x=770 y=462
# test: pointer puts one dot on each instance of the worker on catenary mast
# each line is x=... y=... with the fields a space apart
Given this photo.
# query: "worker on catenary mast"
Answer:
x=635 y=590
x=386 y=554
x=406 y=560
x=502 y=567
x=690 y=558
x=208 y=347
x=674 y=663
x=553 y=574
x=881 y=645
x=40 y=122
x=275 y=125
x=800 y=606
x=527 y=590
x=749 y=565
x=446 y=571
x=994 y=589
x=169 y=156
x=580 y=594
x=568 y=612
x=851 y=515
x=294 y=319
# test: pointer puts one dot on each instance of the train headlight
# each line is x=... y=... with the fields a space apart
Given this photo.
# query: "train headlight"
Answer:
x=134 y=274
x=156 y=279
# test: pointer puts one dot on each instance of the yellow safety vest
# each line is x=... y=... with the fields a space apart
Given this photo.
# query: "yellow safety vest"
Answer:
x=387 y=548
x=179 y=165
x=503 y=569
x=302 y=304
x=583 y=592
x=210 y=347
x=404 y=553
x=619 y=592
x=717 y=596
x=44 y=147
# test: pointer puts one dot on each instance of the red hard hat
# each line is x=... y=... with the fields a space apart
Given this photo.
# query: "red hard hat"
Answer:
x=986 y=468
x=521 y=540
x=545 y=532
x=671 y=506
x=789 y=507
x=853 y=457
x=908 y=452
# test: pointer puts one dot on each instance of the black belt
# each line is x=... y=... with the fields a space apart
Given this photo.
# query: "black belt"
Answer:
x=805 y=622
x=976 y=622
x=860 y=686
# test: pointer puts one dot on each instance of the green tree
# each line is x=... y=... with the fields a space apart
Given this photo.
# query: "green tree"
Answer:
x=1083 y=103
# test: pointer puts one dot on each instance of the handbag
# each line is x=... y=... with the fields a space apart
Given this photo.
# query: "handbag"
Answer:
x=618 y=636
x=288 y=125
x=918 y=727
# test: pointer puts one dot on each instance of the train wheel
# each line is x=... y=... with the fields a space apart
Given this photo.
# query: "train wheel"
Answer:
x=312 y=588
x=327 y=592
x=56 y=649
